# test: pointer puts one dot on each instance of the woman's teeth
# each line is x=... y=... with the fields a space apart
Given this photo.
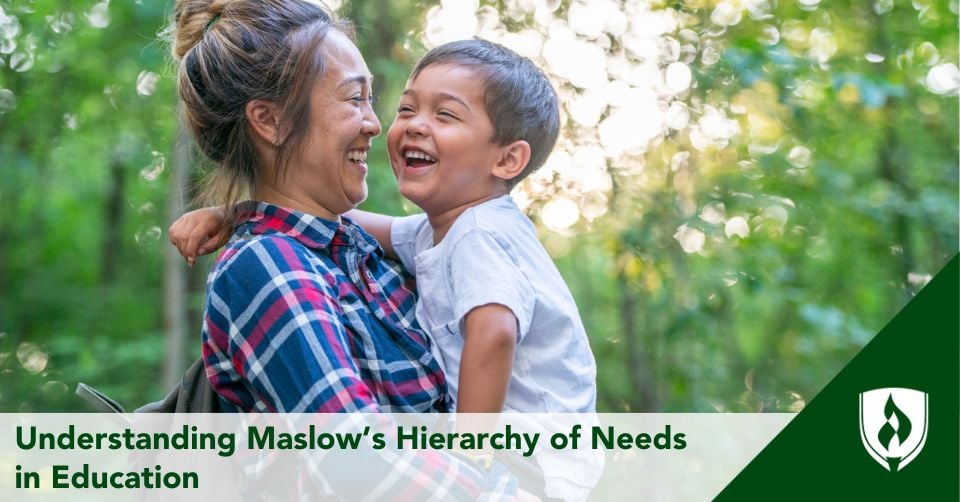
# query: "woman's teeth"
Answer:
x=357 y=155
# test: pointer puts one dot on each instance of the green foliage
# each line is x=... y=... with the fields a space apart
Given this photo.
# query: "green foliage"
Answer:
x=837 y=245
x=81 y=295
x=848 y=188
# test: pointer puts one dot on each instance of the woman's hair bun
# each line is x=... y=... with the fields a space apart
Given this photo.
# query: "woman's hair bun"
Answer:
x=191 y=19
x=230 y=52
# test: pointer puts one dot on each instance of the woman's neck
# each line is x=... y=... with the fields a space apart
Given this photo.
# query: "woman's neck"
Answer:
x=270 y=195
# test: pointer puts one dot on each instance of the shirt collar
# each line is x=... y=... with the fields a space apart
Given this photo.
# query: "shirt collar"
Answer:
x=257 y=218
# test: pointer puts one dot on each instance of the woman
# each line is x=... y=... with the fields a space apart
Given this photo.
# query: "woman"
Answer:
x=302 y=313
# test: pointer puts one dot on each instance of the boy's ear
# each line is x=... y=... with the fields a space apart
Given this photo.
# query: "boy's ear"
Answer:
x=513 y=159
x=264 y=119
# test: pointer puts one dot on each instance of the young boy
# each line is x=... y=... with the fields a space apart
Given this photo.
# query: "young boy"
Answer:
x=474 y=120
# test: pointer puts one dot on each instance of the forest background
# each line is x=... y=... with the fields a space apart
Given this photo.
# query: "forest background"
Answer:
x=745 y=192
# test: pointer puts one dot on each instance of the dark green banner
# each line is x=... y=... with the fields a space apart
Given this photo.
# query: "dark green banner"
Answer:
x=887 y=427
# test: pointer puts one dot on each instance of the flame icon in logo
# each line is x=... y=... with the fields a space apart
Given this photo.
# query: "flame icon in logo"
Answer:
x=888 y=433
x=900 y=428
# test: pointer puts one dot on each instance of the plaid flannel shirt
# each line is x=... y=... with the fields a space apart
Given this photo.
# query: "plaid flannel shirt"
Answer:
x=304 y=315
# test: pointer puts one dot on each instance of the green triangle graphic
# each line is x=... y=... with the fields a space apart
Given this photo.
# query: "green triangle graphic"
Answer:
x=820 y=453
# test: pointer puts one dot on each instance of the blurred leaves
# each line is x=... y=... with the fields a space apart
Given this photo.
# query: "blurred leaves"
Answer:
x=784 y=182
x=95 y=107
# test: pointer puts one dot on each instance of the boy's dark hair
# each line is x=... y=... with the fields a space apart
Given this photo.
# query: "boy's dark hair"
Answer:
x=518 y=97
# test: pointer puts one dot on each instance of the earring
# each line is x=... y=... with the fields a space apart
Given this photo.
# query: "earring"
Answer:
x=276 y=142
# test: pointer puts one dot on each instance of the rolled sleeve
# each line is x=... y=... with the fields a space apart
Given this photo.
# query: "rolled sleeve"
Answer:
x=483 y=272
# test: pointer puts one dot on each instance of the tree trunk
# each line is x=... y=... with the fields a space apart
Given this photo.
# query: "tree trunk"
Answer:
x=638 y=360
x=887 y=162
x=114 y=225
x=887 y=171
x=175 y=273
x=637 y=346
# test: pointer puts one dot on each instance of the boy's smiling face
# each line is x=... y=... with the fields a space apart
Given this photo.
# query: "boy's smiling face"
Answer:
x=440 y=143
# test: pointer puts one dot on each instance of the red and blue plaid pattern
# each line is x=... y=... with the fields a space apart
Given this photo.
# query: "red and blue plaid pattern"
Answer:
x=305 y=315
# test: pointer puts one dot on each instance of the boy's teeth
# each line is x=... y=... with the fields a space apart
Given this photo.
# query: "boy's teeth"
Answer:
x=413 y=154
x=357 y=155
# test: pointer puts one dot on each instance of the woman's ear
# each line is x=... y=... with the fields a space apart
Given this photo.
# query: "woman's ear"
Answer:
x=264 y=119
x=513 y=160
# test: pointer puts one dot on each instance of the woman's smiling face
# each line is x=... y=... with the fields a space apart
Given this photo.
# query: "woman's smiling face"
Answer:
x=327 y=177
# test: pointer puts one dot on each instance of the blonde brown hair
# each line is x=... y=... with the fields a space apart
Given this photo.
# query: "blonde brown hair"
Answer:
x=231 y=52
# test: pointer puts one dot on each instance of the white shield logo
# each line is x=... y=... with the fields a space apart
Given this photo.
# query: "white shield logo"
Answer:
x=893 y=425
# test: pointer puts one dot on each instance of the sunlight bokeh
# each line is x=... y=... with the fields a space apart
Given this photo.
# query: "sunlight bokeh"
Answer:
x=618 y=97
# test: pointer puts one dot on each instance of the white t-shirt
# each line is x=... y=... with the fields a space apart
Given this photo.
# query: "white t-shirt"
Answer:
x=491 y=255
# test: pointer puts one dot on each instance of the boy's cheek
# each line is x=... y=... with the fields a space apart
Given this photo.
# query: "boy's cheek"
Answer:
x=392 y=144
x=394 y=158
x=393 y=131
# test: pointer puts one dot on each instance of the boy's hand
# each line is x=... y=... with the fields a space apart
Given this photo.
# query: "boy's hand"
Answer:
x=199 y=232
